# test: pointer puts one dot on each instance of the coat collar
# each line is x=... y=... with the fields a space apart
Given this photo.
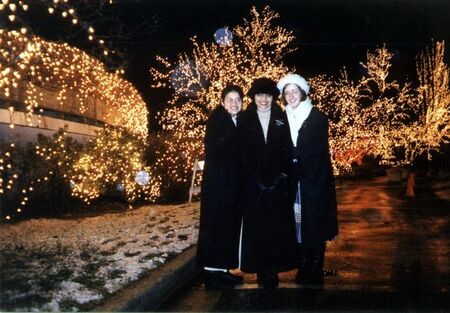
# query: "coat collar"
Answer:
x=307 y=125
x=276 y=120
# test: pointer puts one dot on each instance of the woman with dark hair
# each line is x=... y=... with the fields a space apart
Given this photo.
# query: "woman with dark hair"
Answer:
x=313 y=184
x=268 y=236
x=220 y=217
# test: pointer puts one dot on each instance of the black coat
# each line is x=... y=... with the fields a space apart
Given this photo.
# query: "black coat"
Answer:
x=315 y=173
x=220 y=218
x=268 y=227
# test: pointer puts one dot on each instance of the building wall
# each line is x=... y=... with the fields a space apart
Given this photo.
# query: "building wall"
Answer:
x=95 y=109
x=51 y=116
x=22 y=132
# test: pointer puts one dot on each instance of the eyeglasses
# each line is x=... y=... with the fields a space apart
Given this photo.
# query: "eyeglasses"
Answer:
x=294 y=92
x=231 y=100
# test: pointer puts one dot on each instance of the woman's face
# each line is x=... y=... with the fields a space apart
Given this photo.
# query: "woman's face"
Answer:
x=292 y=95
x=232 y=102
x=263 y=100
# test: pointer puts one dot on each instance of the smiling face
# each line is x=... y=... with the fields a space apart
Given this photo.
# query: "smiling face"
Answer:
x=292 y=95
x=232 y=102
x=263 y=100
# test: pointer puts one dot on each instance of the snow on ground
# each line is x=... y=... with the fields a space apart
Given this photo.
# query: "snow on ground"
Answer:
x=70 y=264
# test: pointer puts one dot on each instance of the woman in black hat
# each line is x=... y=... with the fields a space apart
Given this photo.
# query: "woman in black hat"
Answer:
x=268 y=235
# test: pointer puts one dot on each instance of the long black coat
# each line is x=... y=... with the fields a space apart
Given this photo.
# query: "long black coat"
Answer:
x=315 y=173
x=220 y=218
x=268 y=240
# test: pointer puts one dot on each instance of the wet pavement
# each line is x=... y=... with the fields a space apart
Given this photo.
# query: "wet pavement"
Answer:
x=392 y=254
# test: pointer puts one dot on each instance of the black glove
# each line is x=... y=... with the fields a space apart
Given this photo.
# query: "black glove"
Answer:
x=279 y=180
x=262 y=189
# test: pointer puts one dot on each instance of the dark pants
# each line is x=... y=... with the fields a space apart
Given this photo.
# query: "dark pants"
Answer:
x=310 y=269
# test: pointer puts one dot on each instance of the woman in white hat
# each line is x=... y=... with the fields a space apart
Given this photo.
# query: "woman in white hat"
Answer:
x=315 y=202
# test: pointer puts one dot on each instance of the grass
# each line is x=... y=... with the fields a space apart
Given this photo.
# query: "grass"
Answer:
x=20 y=267
x=114 y=274
x=45 y=269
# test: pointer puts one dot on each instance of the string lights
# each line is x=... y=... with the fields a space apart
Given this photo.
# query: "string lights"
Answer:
x=365 y=114
x=373 y=116
x=432 y=127
x=15 y=10
x=380 y=117
x=32 y=64
x=113 y=158
x=257 y=50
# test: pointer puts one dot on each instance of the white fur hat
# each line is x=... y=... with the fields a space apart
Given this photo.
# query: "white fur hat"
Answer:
x=293 y=79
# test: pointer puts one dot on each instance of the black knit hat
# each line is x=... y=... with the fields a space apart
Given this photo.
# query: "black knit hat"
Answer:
x=263 y=85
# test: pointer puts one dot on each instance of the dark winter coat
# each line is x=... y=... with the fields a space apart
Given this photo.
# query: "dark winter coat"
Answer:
x=268 y=240
x=220 y=218
x=314 y=170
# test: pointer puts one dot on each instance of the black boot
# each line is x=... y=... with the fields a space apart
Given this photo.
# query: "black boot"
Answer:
x=304 y=270
x=310 y=270
x=268 y=279
x=238 y=280
x=219 y=280
x=317 y=265
x=302 y=275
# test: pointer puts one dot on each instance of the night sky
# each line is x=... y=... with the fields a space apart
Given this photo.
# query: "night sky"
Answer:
x=329 y=34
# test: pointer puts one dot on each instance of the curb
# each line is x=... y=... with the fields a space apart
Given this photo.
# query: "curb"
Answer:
x=152 y=290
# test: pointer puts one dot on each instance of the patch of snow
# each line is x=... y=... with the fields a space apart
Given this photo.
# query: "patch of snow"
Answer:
x=118 y=247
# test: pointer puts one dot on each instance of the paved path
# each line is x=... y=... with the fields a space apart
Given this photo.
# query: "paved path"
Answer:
x=392 y=253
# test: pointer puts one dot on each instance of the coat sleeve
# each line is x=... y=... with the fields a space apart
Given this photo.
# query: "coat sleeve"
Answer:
x=218 y=136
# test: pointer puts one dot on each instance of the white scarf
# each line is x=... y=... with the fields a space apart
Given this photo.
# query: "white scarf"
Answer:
x=297 y=116
x=234 y=119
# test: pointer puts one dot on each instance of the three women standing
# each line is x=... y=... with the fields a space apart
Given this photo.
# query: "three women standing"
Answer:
x=268 y=196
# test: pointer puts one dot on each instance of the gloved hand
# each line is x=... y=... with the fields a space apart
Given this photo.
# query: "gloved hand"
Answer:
x=262 y=189
x=279 y=180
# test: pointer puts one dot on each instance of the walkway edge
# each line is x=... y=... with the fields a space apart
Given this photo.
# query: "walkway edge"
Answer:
x=152 y=290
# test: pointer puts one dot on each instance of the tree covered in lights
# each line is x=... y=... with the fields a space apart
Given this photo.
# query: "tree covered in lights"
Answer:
x=58 y=167
x=431 y=128
x=197 y=78
x=365 y=115
x=38 y=174
x=338 y=99
x=110 y=162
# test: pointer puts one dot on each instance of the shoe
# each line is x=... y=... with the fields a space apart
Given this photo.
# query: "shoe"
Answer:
x=218 y=280
x=309 y=278
x=268 y=279
x=310 y=270
x=301 y=277
x=238 y=280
